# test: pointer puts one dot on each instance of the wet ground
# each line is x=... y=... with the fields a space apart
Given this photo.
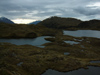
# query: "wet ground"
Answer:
x=33 y=60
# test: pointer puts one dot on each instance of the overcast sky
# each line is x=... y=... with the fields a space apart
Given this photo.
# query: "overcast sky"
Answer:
x=31 y=10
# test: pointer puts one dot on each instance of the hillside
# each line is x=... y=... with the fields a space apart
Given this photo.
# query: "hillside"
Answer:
x=48 y=27
x=35 y=22
x=15 y=31
x=24 y=31
x=5 y=20
x=60 y=23
x=91 y=24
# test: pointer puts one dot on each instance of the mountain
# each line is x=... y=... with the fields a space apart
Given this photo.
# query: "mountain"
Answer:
x=35 y=22
x=60 y=23
x=5 y=20
x=91 y=24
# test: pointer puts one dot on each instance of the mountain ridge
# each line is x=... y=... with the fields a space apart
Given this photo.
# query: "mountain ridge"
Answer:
x=94 y=23
x=35 y=22
x=6 y=20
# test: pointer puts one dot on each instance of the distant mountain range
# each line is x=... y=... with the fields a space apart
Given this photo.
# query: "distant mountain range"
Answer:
x=61 y=23
x=35 y=22
x=5 y=20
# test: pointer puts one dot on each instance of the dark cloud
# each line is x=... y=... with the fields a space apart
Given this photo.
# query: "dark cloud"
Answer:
x=87 y=11
x=41 y=9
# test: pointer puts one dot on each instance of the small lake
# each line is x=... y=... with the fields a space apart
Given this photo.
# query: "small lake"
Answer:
x=91 y=71
x=94 y=61
x=35 y=42
x=71 y=42
x=83 y=33
x=66 y=53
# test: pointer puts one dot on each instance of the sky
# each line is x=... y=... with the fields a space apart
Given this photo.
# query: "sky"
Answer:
x=25 y=11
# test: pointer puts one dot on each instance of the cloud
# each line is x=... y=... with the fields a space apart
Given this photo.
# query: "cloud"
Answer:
x=87 y=11
x=41 y=9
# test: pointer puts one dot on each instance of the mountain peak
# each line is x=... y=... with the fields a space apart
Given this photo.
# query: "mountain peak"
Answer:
x=6 y=20
x=35 y=22
x=1 y=18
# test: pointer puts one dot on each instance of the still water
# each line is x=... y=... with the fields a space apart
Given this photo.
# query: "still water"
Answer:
x=82 y=33
x=71 y=42
x=94 y=61
x=66 y=53
x=40 y=40
x=35 y=42
x=91 y=71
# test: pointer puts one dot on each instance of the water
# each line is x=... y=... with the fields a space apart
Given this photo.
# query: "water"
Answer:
x=79 y=40
x=91 y=71
x=66 y=53
x=94 y=61
x=71 y=42
x=82 y=50
x=35 y=42
x=19 y=64
x=82 y=46
x=83 y=33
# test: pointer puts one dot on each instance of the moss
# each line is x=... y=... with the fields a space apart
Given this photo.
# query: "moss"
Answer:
x=50 y=39
x=37 y=60
x=5 y=72
x=25 y=31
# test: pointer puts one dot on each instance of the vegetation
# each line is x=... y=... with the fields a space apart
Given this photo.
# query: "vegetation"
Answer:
x=70 y=23
x=31 y=60
x=60 y=23
x=41 y=30
x=92 y=24
x=16 y=31
x=47 y=27
x=24 y=31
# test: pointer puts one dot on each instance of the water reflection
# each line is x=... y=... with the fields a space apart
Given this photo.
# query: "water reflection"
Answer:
x=35 y=42
x=66 y=53
x=90 y=71
x=71 y=42
x=94 y=61
x=82 y=33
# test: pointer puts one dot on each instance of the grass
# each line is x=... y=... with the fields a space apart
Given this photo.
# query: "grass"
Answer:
x=37 y=60
x=25 y=31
